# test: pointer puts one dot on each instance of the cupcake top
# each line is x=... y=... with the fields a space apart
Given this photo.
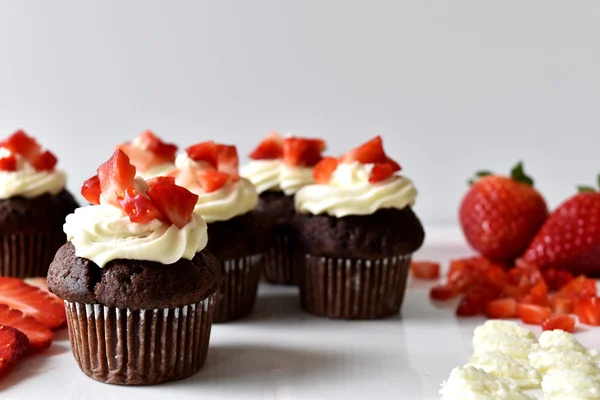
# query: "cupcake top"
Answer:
x=27 y=170
x=210 y=170
x=134 y=219
x=150 y=155
x=283 y=164
x=360 y=182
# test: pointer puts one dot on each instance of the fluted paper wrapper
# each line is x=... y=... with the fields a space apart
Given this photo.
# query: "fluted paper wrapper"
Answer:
x=281 y=261
x=28 y=255
x=353 y=288
x=237 y=296
x=139 y=347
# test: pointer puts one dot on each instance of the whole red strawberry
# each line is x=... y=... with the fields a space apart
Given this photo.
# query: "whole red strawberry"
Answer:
x=500 y=215
x=570 y=238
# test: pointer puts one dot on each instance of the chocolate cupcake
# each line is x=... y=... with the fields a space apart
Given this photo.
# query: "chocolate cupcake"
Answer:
x=279 y=168
x=33 y=207
x=150 y=155
x=357 y=231
x=238 y=235
x=138 y=283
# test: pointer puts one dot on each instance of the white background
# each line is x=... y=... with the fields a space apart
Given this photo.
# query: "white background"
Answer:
x=452 y=86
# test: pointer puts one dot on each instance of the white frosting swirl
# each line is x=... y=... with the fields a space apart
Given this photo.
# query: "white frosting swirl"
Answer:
x=102 y=233
x=157 y=170
x=28 y=182
x=277 y=176
x=350 y=193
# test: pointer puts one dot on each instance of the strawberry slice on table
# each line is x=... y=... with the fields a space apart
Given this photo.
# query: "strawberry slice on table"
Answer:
x=115 y=176
x=138 y=207
x=8 y=163
x=164 y=152
x=588 y=311
x=561 y=305
x=41 y=283
x=270 y=148
x=559 y=321
x=323 y=171
x=425 y=269
x=570 y=238
x=532 y=313
x=175 y=202
x=22 y=144
x=91 y=190
x=13 y=347
x=502 y=308
x=32 y=302
x=305 y=152
x=40 y=337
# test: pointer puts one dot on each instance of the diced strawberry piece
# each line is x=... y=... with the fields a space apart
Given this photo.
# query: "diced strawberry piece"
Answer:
x=91 y=190
x=580 y=287
x=32 y=302
x=116 y=175
x=138 y=207
x=40 y=283
x=525 y=274
x=323 y=171
x=175 y=202
x=425 y=269
x=164 y=152
x=442 y=292
x=556 y=278
x=212 y=180
x=302 y=151
x=160 y=179
x=142 y=159
x=476 y=300
x=561 y=305
x=395 y=166
x=532 y=313
x=502 y=308
x=271 y=148
x=538 y=294
x=22 y=144
x=13 y=347
x=40 y=337
x=370 y=152
x=8 y=163
x=588 y=311
x=228 y=160
x=45 y=161
x=205 y=152
x=559 y=321
x=381 y=172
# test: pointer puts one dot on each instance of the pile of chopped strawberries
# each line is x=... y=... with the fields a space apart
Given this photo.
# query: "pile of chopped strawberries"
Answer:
x=21 y=144
x=219 y=164
x=293 y=151
x=150 y=152
x=542 y=297
x=28 y=315
x=371 y=152
x=158 y=198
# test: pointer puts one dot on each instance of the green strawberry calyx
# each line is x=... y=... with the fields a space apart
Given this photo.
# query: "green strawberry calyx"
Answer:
x=583 y=189
x=518 y=174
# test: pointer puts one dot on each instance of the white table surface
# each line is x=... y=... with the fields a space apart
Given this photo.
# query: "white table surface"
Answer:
x=280 y=352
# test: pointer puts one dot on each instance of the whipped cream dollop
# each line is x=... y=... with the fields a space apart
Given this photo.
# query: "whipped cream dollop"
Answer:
x=350 y=193
x=233 y=199
x=154 y=171
x=470 y=383
x=275 y=175
x=102 y=233
x=28 y=182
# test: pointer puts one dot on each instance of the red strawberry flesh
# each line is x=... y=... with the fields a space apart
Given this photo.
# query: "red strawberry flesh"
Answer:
x=13 y=347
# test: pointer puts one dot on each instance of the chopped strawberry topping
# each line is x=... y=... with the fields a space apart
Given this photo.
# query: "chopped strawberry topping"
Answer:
x=222 y=165
x=381 y=172
x=8 y=163
x=228 y=160
x=425 y=269
x=24 y=145
x=372 y=152
x=91 y=190
x=205 y=151
x=46 y=161
x=323 y=171
x=559 y=321
x=211 y=180
x=13 y=347
x=302 y=151
x=271 y=148
x=175 y=202
x=116 y=175
x=40 y=337
x=164 y=152
x=138 y=207
x=160 y=179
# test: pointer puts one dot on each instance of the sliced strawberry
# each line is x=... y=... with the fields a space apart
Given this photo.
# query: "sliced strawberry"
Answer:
x=32 y=302
x=323 y=171
x=476 y=300
x=175 y=202
x=212 y=180
x=588 y=311
x=580 y=288
x=40 y=283
x=395 y=166
x=302 y=151
x=138 y=207
x=443 y=292
x=425 y=269
x=559 y=321
x=160 y=179
x=370 y=152
x=164 y=152
x=502 y=308
x=561 y=305
x=271 y=148
x=205 y=151
x=22 y=144
x=556 y=278
x=228 y=160
x=116 y=175
x=8 y=163
x=40 y=337
x=45 y=161
x=381 y=172
x=532 y=313
x=91 y=190
x=13 y=347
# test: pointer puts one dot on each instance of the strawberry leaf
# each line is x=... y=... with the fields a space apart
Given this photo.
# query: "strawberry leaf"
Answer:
x=598 y=181
x=519 y=175
x=480 y=174
x=583 y=189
